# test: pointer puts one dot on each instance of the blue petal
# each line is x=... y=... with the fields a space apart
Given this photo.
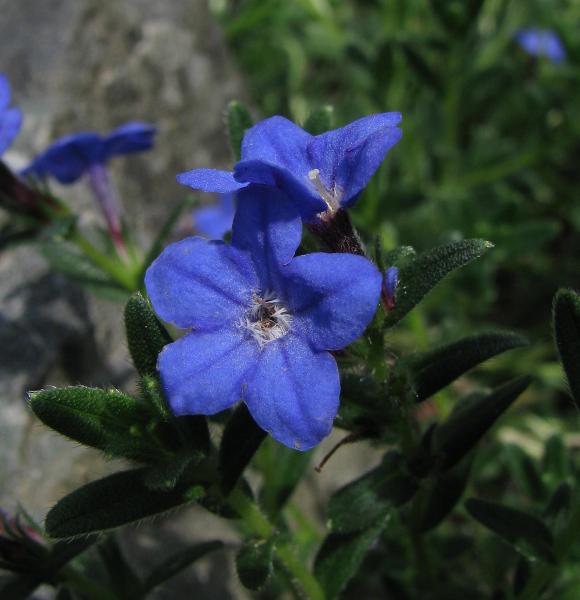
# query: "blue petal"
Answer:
x=215 y=221
x=293 y=393
x=10 y=123
x=332 y=297
x=201 y=284
x=131 y=137
x=267 y=226
x=204 y=372
x=296 y=185
x=348 y=157
x=69 y=158
x=4 y=92
x=210 y=180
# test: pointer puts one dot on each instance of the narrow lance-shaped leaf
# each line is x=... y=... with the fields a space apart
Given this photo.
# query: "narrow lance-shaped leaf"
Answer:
x=105 y=419
x=567 y=334
x=421 y=275
x=526 y=533
x=454 y=438
x=241 y=438
x=110 y=502
x=340 y=557
x=146 y=336
x=364 y=502
x=254 y=563
x=239 y=120
x=433 y=370
x=177 y=563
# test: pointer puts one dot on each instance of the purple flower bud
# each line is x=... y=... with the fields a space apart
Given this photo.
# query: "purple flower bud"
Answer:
x=390 y=282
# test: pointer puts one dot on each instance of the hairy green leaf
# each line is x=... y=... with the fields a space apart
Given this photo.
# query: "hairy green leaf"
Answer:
x=567 y=334
x=454 y=438
x=254 y=563
x=418 y=277
x=526 y=533
x=432 y=371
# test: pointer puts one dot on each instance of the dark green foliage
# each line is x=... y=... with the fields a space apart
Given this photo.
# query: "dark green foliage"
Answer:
x=433 y=370
x=110 y=502
x=418 y=277
x=438 y=497
x=526 y=533
x=567 y=334
x=368 y=500
x=146 y=336
x=17 y=587
x=241 y=438
x=105 y=419
x=320 y=120
x=238 y=119
x=454 y=438
x=177 y=563
x=341 y=555
x=254 y=562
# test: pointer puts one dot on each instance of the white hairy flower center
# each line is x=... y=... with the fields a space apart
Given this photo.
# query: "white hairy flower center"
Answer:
x=267 y=319
x=331 y=197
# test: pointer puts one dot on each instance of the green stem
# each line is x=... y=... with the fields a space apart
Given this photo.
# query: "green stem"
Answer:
x=116 y=270
x=257 y=522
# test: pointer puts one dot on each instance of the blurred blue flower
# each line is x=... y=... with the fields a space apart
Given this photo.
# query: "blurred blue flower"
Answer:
x=216 y=220
x=320 y=173
x=70 y=157
x=73 y=156
x=10 y=118
x=262 y=322
x=542 y=42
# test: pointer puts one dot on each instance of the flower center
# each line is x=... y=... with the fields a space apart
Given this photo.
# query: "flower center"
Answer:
x=331 y=197
x=267 y=319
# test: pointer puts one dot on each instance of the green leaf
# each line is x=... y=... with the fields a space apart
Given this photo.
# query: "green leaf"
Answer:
x=454 y=438
x=110 y=502
x=166 y=475
x=438 y=497
x=366 y=501
x=320 y=120
x=177 y=563
x=433 y=370
x=526 y=533
x=105 y=419
x=241 y=438
x=418 y=277
x=146 y=336
x=254 y=562
x=567 y=335
x=340 y=557
x=239 y=120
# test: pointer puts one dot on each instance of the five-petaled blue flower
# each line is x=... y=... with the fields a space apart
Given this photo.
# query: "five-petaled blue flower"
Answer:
x=542 y=42
x=320 y=173
x=10 y=118
x=262 y=321
x=70 y=157
x=216 y=220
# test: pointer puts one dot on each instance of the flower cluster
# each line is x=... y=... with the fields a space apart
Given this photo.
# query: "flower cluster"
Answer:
x=262 y=322
x=542 y=42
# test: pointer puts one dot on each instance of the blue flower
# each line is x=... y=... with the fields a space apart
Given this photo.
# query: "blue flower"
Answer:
x=70 y=157
x=216 y=220
x=320 y=173
x=10 y=118
x=262 y=321
x=542 y=42
x=73 y=156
